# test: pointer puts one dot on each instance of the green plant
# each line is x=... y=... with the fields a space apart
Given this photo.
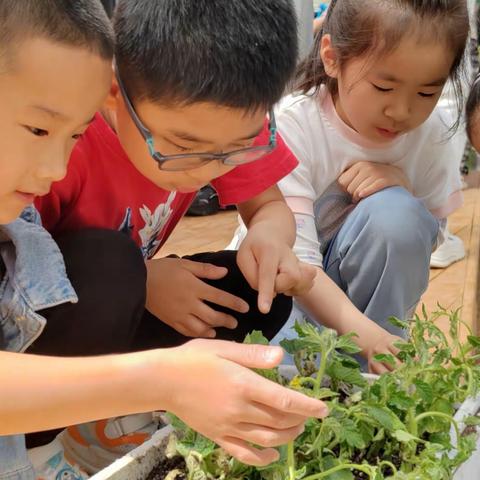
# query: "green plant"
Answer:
x=395 y=427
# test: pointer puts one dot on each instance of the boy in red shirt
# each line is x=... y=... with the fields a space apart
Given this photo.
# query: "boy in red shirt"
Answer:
x=191 y=103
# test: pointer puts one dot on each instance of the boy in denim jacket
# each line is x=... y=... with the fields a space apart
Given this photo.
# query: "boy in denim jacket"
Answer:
x=55 y=72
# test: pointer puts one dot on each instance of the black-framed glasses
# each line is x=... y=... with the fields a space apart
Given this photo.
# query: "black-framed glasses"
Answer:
x=190 y=161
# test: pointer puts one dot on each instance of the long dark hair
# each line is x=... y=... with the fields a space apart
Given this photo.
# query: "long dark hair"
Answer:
x=375 y=27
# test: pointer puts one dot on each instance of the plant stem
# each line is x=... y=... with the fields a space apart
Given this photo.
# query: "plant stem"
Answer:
x=321 y=372
x=412 y=422
x=470 y=387
x=344 y=466
x=316 y=442
x=291 y=460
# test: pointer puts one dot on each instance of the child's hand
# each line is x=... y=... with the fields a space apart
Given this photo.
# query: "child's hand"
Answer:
x=366 y=178
x=176 y=295
x=383 y=345
x=271 y=267
x=214 y=391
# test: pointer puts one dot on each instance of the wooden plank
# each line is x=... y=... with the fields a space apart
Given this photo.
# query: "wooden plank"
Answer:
x=471 y=284
x=457 y=285
x=201 y=234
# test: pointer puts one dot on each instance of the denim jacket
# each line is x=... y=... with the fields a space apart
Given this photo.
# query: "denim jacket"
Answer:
x=34 y=278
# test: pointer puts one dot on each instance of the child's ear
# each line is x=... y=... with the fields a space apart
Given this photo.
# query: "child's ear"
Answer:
x=113 y=96
x=328 y=56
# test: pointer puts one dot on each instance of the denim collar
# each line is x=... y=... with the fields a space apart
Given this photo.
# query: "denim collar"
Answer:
x=34 y=263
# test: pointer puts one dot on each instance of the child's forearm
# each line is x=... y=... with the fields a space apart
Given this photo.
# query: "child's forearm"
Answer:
x=39 y=392
x=270 y=209
x=329 y=305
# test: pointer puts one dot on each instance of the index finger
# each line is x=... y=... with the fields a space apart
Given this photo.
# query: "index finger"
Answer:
x=285 y=400
x=267 y=273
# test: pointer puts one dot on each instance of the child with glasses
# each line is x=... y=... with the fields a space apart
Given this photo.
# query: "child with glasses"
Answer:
x=176 y=119
x=190 y=104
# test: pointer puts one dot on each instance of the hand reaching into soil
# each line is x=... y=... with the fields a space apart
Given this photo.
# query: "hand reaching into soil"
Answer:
x=176 y=295
x=213 y=390
x=363 y=179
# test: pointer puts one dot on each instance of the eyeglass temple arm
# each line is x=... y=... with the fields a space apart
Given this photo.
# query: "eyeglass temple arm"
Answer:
x=146 y=134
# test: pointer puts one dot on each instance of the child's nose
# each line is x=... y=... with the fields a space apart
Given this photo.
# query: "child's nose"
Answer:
x=399 y=111
x=52 y=165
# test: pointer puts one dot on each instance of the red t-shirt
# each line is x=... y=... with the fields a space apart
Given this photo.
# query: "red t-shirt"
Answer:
x=103 y=189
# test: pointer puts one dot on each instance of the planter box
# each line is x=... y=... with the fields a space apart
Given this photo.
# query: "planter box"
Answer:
x=471 y=468
x=140 y=462
x=137 y=464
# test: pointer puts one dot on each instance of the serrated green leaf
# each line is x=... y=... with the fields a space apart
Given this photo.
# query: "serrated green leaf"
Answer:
x=401 y=401
x=424 y=390
x=396 y=322
x=474 y=341
x=294 y=345
x=472 y=421
x=348 y=361
x=442 y=405
x=310 y=339
x=346 y=344
x=178 y=424
x=403 y=436
x=256 y=338
x=385 y=417
x=299 y=474
x=194 y=442
x=345 y=374
x=380 y=435
x=435 y=424
x=325 y=393
x=351 y=434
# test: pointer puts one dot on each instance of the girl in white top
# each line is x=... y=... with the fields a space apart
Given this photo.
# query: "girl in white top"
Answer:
x=376 y=172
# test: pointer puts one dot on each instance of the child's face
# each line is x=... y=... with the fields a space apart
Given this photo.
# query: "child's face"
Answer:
x=387 y=97
x=196 y=128
x=48 y=95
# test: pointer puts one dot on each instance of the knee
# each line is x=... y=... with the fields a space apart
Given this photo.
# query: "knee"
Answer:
x=398 y=222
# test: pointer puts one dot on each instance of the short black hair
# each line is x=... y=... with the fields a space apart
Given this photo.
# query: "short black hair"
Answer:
x=79 y=23
x=234 y=53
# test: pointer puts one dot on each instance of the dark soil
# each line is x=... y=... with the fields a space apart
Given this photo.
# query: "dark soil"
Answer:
x=162 y=469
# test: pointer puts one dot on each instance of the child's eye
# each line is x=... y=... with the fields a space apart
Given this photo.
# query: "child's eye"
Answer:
x=382 y=89
x=426 y=95
x=180 y=148
x=183 y=149
x=38 y=132
x=77 y=136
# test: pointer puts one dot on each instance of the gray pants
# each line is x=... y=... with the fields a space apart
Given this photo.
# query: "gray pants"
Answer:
x=380 y=257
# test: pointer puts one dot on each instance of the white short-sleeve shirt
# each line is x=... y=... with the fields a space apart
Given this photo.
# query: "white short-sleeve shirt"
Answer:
x=325 y=146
